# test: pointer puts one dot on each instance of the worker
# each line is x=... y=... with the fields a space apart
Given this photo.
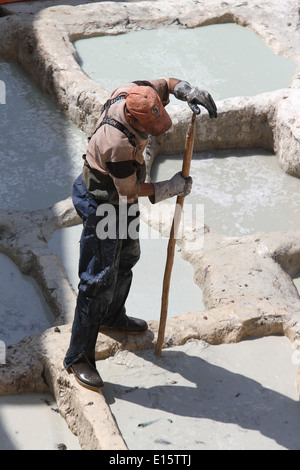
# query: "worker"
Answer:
x=114 y=171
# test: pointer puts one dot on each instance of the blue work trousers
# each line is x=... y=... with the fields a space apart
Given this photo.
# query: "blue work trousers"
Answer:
x=105 y=271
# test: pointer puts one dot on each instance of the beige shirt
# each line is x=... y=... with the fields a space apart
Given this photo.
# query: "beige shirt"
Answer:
x=109 y=147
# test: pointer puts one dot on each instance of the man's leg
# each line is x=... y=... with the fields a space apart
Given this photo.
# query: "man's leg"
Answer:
x=129 y=255
x=98 y=273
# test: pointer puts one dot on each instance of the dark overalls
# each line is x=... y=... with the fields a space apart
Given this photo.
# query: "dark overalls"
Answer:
x=105 y=269
x=105 y=272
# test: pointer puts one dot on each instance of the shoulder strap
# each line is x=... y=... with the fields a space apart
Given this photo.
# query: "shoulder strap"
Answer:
x=108 y=103
x=114 y=123
x=118 y=125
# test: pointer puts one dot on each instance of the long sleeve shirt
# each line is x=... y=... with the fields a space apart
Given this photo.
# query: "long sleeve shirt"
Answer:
x=111 y=153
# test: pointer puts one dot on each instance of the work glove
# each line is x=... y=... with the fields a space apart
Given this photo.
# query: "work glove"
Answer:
x=185 y=92
x=176 y=186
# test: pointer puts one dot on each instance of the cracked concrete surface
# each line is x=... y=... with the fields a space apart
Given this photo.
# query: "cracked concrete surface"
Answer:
x=247 y=282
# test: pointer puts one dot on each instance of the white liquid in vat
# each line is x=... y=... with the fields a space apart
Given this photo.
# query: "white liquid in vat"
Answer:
x=243 y=191
x=225 y=59
x=40 y=149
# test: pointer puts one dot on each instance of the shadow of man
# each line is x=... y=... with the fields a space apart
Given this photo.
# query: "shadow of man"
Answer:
x=192 y=387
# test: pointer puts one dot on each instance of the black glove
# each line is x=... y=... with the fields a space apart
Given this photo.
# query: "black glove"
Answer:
x=185 y=92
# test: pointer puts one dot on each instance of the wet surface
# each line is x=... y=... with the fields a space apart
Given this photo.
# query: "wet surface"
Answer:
x=227 y=397
x=243 y=191
x=225 y=59
x=40 y=149
x=31 y=421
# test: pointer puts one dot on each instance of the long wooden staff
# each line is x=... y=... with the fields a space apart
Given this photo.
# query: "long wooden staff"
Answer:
x=189 y=145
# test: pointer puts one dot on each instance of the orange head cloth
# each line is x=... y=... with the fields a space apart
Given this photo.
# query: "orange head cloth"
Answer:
x=145 y=105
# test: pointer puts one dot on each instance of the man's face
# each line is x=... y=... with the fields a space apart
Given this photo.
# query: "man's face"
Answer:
x=134 y=122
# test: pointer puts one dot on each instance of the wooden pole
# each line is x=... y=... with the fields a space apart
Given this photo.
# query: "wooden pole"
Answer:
x=189 y=145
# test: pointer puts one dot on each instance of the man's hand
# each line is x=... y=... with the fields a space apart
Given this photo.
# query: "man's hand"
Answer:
x=176 y=186
x=194 y=97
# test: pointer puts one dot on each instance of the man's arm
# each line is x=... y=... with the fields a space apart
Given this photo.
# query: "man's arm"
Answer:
x=146 y=189
x=172 y=83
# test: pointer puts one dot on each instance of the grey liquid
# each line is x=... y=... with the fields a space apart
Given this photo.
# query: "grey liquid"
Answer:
x=225 y=59
x=40 y=149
